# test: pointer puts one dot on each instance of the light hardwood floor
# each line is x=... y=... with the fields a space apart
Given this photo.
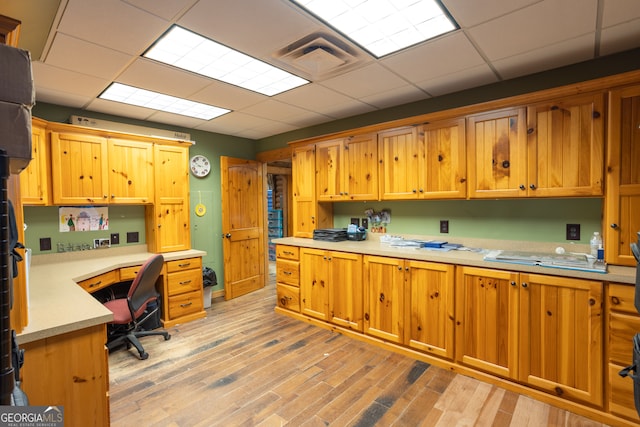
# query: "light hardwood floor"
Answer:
x=245 y=365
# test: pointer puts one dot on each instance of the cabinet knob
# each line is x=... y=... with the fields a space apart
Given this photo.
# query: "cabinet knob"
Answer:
x=113 y=196
x=614 y=225
x=532 y=186
x=525 y=284
x=414 y=190
x=513 y=283
x=522 y=187
x=399 y=268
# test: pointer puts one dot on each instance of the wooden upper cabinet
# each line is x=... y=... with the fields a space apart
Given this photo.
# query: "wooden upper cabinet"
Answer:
x=497 y=150
x=34 y=179
x=131 y=167
x=622 y=199
x=79 y=169
x=308 y=214
x=400 y=152
x=566 y=147
x=443 y=172
x=329 y=180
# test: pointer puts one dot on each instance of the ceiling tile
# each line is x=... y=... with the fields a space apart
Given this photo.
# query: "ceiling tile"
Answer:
x=280 y=111
x=175 y=119
x=439 y=57
x=313 y=97
x=55 y=97
x=165 y=9
x=119 y=109
x=542 y=24
x=469 y=13
x=556 y=55
x=457 y=81
x=84 y=57
x=397 y=96
x=620 y=37
x=227 y=96
x=365 y=81
x=120 y=26
x=620 y=11
x=47 y=76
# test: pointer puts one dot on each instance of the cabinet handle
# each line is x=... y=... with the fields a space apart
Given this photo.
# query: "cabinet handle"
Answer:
x=414 y=190
x=186 y=305
x=522 y=187
x=506 y=164
x=113 y=196
x=532 y=186
x=186 y=282
x=399 y=268
x=93 y=285
x=287 y=252
x=513 y=283
x=614 y=225
x=184 y=265
x=406 y=269
x=288 y=273
x=525 y=284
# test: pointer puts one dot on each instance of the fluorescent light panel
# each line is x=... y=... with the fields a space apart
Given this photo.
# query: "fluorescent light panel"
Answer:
x=383 y=26
x=157 y=101
x=187 y=50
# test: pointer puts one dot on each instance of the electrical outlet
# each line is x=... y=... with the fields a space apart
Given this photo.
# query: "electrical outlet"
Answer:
x=365 y=222
x=45 y=244
x=132 y=237
x=573 y=231
x=444 y=226
x=355 y=221
x=115 y=238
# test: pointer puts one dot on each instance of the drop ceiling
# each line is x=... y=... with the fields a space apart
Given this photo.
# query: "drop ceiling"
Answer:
x=79 y=47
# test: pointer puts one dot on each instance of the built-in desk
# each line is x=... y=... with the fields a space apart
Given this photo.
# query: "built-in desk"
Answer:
x=66 y=361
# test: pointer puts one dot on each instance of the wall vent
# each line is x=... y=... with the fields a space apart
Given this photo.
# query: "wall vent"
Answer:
x=126 y=128
x=319 y=55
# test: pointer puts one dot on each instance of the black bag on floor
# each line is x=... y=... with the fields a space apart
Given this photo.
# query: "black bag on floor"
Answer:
x=632 y=371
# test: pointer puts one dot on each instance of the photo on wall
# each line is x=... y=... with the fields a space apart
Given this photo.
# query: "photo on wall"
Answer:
x=83 y=218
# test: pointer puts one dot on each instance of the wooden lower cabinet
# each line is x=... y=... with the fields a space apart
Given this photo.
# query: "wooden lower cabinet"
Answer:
x=487 y=316
x=331 y=287
x=71 y=371
x=182 y=294
x=288 y=277
x=623 y=323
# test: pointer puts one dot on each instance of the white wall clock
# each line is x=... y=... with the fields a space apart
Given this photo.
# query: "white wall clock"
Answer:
x=200 y=166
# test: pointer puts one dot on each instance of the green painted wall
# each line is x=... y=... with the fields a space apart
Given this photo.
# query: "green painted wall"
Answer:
x=540 y=220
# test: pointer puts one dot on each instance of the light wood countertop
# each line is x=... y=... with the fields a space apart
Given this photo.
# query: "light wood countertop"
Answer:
x=372 y=246
x=58 y=305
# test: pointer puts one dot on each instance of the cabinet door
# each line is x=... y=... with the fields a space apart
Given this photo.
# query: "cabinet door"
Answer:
x=34 y=179
x=329 y=183
x=429 y=315
x=384 y=298
x=314 y=283
x=79 y=169
x=497 y=150
x=566 y=147
x=444 y=166
x=345 y=290
x=168 y=227
x=361 y=167
x=561 y=336
x=487 y=320
x=130 y=172
x=622 y=198
x=304 y=183
x=400 y=157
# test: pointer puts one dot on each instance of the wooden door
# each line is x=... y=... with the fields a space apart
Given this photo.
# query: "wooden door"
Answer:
x=444 y=165
x=487 y=320
x=345 y=290
x=34 y=179
x=361 y=167
x=622 y=198
x=329 y=169
x=384 y=298
x=400 y=152
x=496 y=146
x=315 y=266
x=243 y=217
x=429 y=314
x=566 y=147
x=168 y=220
x=130 y=172
x=79 y=169
x=561 y=336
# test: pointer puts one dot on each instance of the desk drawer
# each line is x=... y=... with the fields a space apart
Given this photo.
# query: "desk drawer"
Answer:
x=99 y=282
x=181 y=305
x=129 y=273
x=184 y=264
x=288 y=252
x=288 y=272
x=184 y=281
x=622 y=298
x=288 y=297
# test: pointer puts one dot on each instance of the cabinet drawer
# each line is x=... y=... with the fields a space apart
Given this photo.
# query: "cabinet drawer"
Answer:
x=621 y=298
x=288 y=297
x=99 y=282
x=129 y=273
x=287 y=272
x=181 y=305
x=621 y=394
x=184 y=264
x=622 y=328
x=184 y=281
x=288 y=252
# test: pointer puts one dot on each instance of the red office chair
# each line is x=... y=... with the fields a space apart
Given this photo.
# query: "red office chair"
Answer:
x=125 y=328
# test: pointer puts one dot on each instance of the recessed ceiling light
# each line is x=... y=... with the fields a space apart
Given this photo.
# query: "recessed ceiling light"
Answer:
x=187 y=50
x=383 y=26
x=158 y=101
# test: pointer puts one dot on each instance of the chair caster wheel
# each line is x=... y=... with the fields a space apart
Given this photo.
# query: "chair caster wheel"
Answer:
x=167 y=338
x=144 y=356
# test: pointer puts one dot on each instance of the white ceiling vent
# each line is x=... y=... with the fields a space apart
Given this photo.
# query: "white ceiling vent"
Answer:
x=319 y=56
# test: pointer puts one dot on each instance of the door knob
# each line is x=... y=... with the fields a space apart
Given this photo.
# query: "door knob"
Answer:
x=228 y=235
